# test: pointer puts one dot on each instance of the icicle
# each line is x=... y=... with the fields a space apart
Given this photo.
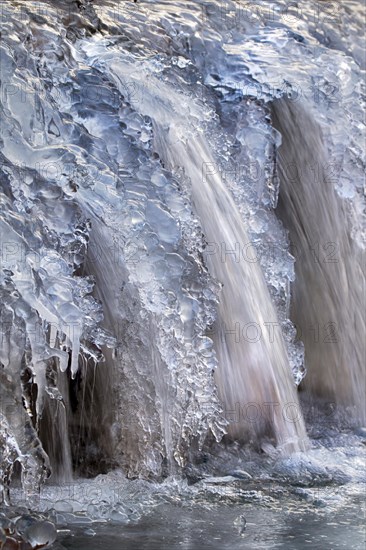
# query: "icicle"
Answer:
x=75 y=343
x=53 y=335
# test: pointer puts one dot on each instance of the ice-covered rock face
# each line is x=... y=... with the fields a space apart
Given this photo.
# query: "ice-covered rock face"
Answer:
x=84 y=191
x=122 y=124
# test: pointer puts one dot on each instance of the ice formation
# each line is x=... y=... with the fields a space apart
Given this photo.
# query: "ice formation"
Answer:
x=139 y=239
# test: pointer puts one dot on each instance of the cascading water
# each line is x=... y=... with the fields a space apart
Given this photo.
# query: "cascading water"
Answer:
x=244 y=302
x=169 y=205
x=331 y=268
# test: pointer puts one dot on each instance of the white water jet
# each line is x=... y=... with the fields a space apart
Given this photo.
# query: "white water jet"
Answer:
x=329 y=290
